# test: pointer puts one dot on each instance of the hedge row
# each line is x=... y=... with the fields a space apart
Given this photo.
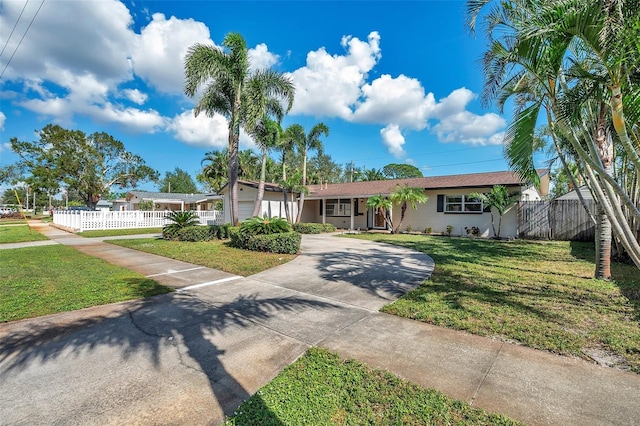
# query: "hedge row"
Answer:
x=199 y=233
x=313 y=228
x=285 y=243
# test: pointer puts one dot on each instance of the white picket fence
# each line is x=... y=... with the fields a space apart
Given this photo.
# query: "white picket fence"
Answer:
x=89 y=220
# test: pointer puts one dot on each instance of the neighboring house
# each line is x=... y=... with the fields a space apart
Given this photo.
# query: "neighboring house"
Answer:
x=272 y=201
x=572 y=195
x=104 y=205
x=167 y=201
x=345 y=204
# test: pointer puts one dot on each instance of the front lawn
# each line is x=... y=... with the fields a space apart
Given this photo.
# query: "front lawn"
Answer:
x=19 y=234
x=212 y=254
x=539 y=294
x=320 y=389
x=37 y=281
x=118 y=232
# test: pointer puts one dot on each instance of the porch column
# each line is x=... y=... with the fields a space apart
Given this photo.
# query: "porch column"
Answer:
x=352 y=211
x=324 y=210
x=181 y=206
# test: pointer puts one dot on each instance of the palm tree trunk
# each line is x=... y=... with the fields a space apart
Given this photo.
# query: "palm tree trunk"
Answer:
x=304 y=183
x=603 y=226
x=234 y=136
x=286 y=204
x=263 y=177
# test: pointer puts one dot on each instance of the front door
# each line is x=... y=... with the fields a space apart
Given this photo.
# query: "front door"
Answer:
x=376 y=219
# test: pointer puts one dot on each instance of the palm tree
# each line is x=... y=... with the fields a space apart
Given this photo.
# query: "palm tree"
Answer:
x=498 y=198
x=383 y=206
x=527 y=62
x=292 y=137
x=216 y=171
x=230 y=88
x=291 y=185
x=266 y=134
x=310 y=142
x=405 y=196
x=372 y=174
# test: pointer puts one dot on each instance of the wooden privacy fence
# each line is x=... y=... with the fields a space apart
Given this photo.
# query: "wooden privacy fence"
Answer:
x=564 y=220
x=88 y=220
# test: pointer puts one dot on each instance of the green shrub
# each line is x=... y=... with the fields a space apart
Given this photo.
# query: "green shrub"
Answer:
x=428 y=230
x=195 y=233
x=264 y=226
x=179 y=220
x=285 y=243
x=308 y=228
x=327 y=227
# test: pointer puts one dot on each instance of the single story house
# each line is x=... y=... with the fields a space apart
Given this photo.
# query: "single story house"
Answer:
x=272 y=201
x=167 y=201
x=573 y=195
x=345 y=204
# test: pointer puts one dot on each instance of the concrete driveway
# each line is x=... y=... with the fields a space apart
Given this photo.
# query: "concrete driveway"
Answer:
x=191 y=357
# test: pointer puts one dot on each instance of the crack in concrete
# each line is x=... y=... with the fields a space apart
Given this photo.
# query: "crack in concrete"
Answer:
x=484 y=378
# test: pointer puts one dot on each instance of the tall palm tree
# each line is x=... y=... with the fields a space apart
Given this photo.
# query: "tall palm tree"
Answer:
x=406 y=196
x=526 y=62
x=372 y=174
x=292 y=137
x=311 y=142
x=266 y=134
x=228 y=87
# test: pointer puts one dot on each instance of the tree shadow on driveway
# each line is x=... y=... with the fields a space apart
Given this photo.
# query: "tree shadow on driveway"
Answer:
x=149 y=328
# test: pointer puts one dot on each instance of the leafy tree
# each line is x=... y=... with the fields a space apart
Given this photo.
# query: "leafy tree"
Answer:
x=499 y=199
x=401 y=171
x=383 y=206
x=215 y=172
x=322 y=169
x=89 y=164
x=178 y=181
x=405 y=196
x=229 y=88
x=311 y=141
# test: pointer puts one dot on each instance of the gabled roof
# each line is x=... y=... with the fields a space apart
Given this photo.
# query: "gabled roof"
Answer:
x=174 y=196
x=386 y=187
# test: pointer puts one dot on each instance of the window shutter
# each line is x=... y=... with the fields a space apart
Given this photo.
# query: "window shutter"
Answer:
x=321 y=208
x=355 y=206
x=440 y=203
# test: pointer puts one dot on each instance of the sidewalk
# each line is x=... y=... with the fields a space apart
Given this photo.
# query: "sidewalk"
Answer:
x=192 y=356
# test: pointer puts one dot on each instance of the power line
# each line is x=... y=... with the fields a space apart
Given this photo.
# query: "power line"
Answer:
x=23 y=36
x=14 y=27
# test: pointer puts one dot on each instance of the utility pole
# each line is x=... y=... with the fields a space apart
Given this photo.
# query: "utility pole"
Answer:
x=351 y=171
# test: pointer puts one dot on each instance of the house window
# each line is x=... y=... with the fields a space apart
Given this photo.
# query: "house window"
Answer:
x=462 y=204
x=338 y=207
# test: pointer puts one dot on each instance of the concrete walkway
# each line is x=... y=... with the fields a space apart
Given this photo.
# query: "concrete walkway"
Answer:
x=190 y=357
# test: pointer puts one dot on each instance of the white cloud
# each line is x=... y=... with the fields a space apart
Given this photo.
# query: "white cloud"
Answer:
x=328 y=85
x=159 y=50
x=260 y=57
x=399 y=100
x=135 y=96
x=393 y=139
x=204 y=131
x=2 y=120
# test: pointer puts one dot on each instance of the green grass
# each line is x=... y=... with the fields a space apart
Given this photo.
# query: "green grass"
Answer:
x=320 y=389
x=37 y=281
x=212 y=254
x=539 y=294
x=19 y=234
x=117 y=232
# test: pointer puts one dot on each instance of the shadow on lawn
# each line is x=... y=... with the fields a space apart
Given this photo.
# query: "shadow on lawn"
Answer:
x=151 y=327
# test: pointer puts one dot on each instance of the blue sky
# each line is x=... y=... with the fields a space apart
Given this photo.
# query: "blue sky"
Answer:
x=394 y=81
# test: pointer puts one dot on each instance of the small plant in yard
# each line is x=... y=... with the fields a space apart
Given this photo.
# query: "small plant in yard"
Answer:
x=428 y=230
x=472 y=230
x=449 y=230
x=409 y=229
x=179 y=220
x=264 y=226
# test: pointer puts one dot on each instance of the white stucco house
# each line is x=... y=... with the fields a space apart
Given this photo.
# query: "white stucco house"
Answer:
x=345 y=204
x=167 y=201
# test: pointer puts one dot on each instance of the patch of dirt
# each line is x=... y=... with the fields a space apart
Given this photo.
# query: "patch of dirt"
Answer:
x=606 y=358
